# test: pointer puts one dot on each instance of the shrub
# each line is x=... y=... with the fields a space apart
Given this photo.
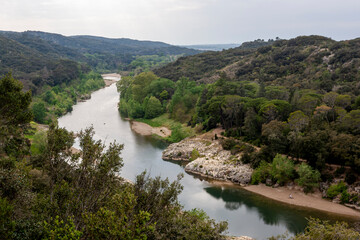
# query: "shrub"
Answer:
x=261 y=173
x=336 y=189
x=228 y=143
x=345 y=197
x=319 y=230
x=308 y=178
x=282 y=169
x=194 y=154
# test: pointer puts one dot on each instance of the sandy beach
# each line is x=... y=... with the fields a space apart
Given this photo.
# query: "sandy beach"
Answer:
x=313 y=200
x=146 y=130
x=110 y=78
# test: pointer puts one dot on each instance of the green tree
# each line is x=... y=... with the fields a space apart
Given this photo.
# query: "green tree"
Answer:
x=308 y=178
x=7 y=225
x=282 y=169
x=298 y=121
x=39 y=111
x=14 y=115
x=153 y=108
x=323 y=230
x=57 y=229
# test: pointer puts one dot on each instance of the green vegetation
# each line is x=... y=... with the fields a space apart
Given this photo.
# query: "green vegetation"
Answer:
x=149 y=62
x=40 y=58
x=308 y=178
x=336 y=189
x=54 y=193
x=58 y=100
x=178 y=131
x=317 y=229
x=283 y=170
x=194 y=154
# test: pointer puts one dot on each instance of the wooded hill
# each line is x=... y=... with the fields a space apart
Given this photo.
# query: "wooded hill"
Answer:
x=312 y=62
x=38 y=58
x=298 y=97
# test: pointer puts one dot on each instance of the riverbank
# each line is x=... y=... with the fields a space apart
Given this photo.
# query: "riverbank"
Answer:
x=147 y=130
x=301 y=199
x=110 y=78
x=205 y=156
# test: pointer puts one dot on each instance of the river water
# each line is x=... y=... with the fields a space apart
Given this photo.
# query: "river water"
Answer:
x=247 y=213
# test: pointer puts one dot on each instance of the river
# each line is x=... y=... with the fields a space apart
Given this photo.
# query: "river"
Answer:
x=247 y=213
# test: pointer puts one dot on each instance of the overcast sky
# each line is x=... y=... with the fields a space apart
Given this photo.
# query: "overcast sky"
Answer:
x=185 y=21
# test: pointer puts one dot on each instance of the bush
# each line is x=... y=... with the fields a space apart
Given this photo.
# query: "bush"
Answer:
x=261 y=173
x=336 y=189
x=228 y=143
x=345 y=197
x=194 y=154
x=308 y=178
x=282 y=169
x=319 y=230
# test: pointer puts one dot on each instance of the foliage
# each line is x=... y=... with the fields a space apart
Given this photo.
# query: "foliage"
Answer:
x=14 y=112
x=261 y=173
x=153 y=108
x=308 y=178
x=194 y=154
x=59 y=230
x=336 y=189
x=56 y=101
x=323 y=230
x=282 y=169
x=7 y=225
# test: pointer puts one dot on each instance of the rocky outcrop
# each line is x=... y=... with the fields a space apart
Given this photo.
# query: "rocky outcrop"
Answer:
x=209 y=159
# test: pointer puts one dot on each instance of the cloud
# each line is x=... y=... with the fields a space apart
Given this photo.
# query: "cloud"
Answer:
x=185 y=21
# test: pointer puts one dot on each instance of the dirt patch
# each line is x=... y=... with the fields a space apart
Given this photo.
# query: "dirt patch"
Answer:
x=314 y=200
x=147 y=130
x=109 y=82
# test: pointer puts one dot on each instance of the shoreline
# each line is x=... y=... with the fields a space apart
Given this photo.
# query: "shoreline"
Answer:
x=147 y=130
x=281 y=194
x=300 y=199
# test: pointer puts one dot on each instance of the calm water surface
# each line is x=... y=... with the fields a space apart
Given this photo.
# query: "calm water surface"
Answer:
x=247 y=213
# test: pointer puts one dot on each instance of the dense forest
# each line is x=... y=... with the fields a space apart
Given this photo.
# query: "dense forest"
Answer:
x=39 y=58
x=296 y=101
x=297 y=97
x=47 y=191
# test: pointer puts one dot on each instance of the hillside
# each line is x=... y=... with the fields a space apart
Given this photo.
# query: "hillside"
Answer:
x=33 y=57
x=202 y=67
x=297 y=98
x=309 y=62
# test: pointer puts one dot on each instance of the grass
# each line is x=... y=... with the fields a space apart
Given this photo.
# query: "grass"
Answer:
x=178 y=131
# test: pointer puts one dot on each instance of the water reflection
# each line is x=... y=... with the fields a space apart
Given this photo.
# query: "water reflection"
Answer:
x=268 y=211
x=247 y=213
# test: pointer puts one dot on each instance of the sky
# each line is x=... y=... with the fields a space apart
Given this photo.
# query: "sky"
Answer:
x=185 y=22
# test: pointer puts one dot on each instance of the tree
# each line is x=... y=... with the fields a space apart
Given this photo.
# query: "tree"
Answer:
x=39 y=111
x=308 y=178
x=330 y=99
x=153 y=108
x=14 y=115
x=298 y=121
x=274 y=135
x=282 y=169
x=7 y=225
x=322 y=230
x=343 y=101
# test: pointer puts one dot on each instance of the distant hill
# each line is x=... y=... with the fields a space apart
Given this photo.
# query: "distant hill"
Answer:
x=33 y=56
x=203 y=66
x=212 y=47
x=307 y=61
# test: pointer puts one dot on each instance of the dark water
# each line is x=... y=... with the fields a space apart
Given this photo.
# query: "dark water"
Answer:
x=247 y=213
